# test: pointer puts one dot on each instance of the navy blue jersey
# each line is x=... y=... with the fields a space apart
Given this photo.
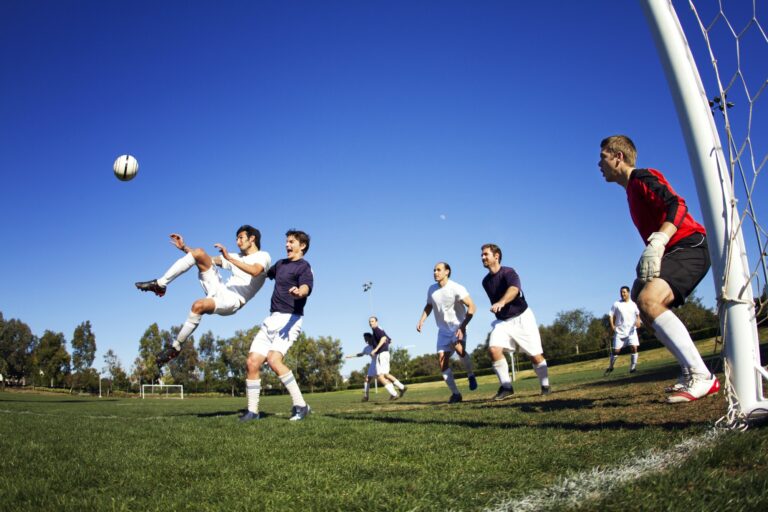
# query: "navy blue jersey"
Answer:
x=288 y=274
x=377 y=335
x=496 y=285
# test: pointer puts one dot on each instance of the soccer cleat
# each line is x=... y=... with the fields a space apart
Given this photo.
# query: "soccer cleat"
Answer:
x=300 y=412
x=365 y=398
x=392 y=398
x=545 y=390
x=698 y=387
x=608 y=371
x=455 y=398
x=682 y=381
x=167 y=355
x=151 y=286
x=472 y=382
x=633 y=369
x=402 y=391
x=504 y=393
x=248 y=416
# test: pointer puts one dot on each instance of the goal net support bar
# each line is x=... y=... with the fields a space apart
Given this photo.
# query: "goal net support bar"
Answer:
x=162 y=387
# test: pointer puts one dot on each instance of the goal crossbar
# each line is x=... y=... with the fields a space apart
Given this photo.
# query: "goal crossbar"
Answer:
x=163 y=387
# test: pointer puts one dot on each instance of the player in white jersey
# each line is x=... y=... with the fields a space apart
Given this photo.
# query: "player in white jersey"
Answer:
x=371 y=375
x=248 y=268
x=453 y=309
x=625 y=319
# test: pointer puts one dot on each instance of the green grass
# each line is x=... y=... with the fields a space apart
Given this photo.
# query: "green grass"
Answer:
x=59 y=452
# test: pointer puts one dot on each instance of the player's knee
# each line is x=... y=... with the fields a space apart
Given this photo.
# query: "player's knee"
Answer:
x=496 y=352
x=201 y=307
x=253 y=363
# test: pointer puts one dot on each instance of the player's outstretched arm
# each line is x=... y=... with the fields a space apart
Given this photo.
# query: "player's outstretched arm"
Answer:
x=252 y=269
x=178 y=241
x=424 y=315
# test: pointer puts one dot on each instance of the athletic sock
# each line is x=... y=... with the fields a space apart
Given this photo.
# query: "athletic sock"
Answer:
x=612 y=360
x=633 y=359
x=193 y=320
x=501 y=367
x=390 y=388
x=252 y=392
x=181 y=265
x=467 y=362
x=366 y=388
x=399 y=385
x=450 y=381
x=293 y=389
x=542 y=372
x=672 y=332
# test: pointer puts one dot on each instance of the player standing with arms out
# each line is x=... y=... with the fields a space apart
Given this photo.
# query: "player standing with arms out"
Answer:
x=248 y=275
x=453 y=309
x=381 y=353
x=671 y=265
x=625 y=319
x=515 y=325
x=371 y=367
x=278 y=332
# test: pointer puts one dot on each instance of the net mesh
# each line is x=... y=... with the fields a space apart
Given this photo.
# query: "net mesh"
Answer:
x=733 y=46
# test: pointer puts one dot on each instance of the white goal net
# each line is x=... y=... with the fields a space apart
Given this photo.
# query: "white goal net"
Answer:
x=715 y=56
x=162 y=391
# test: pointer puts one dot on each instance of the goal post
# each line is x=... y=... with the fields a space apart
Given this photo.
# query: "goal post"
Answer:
x=165 y=390
x=721 y=217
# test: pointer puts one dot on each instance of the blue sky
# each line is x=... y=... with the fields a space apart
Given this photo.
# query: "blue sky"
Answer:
x=396 y=134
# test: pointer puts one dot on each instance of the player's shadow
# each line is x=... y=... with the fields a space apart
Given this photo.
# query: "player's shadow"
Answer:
x=219 y=413
x=66 y=401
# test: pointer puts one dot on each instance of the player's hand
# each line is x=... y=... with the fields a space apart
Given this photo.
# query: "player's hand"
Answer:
x=295 y=291
x=495 y=308
x=418 y=327
x=460 y=335
x=649 y=265
x=222 y=250
x=178 y=241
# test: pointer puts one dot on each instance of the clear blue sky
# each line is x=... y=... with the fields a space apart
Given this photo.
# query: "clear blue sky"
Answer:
x=396 y=134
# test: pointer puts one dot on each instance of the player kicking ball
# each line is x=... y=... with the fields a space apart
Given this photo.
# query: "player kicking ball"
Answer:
x=671 y=265
x=248 y=275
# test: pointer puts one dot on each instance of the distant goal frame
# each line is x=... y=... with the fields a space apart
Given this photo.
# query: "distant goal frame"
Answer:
x=163 y=387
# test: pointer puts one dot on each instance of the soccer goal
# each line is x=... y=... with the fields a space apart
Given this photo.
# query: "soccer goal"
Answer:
x=163 y=391
x=732 y=52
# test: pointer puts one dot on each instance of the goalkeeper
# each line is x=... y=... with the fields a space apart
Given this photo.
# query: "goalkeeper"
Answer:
x=672 y=264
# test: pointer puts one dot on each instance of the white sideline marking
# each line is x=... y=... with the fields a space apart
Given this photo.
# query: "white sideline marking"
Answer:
x=573 y=490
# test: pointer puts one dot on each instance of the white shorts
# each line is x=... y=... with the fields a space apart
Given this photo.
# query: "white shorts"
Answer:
x=627 y=341
x=277 y=333
x=382 y=363
x=519 y=332
x=372 y=368
x=226 y=301
x=446 y=342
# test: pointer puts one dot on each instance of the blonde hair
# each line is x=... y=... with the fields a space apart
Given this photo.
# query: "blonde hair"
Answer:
x=621 y=144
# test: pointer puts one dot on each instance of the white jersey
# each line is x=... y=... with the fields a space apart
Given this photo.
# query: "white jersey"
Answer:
x=447 y=305
x=242 y=283
x=625 y=315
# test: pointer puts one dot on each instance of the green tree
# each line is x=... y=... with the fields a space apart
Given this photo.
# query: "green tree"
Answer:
x=51 y=358
x=424 y=365
x=568 y=334
x=400 y=363
x=184 y=368
x=16 y=344
x=83 y=353
x=117 y=378
x=145 y=366
x=234 y=353
x=695 y=315
x=599 y=333
x=213 y=370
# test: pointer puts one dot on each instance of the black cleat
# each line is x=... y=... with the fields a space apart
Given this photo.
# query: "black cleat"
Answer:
x=545 y=390
x=633 y=370
x=455 y=398
x=608 y=371
x=167 y=355
x=402 y=391
x=151 y=286
x=504 y=393
x=392 y=398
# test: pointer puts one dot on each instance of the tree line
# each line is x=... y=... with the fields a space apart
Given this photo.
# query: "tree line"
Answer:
x=212 y=364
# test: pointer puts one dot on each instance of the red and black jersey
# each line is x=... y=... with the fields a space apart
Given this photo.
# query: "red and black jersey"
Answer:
x=653 y=201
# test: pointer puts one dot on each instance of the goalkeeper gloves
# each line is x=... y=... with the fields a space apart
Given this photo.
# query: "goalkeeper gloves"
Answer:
x=649 y=265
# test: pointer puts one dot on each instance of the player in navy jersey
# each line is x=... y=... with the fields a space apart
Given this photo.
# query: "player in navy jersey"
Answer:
x=515 y=325
x=381 y=353
x=293 y=284
x=674 y=261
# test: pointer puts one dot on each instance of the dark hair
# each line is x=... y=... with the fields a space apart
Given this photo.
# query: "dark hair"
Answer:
x=300 y=236
x=495 y=249
x=251 y=232
x=447 y=266
x=624 y=288
x=368 y=337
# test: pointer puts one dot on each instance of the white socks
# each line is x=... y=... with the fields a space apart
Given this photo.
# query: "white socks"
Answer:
x=542 y=372
x=501 y=367
x=450 y=381
x=181 y=265
x=193 y=320
x=252 y=392
x=390 y=388
x=366 y=387
x=672 y=332
x=633 y=359
x=293 y=389
x=399 y=385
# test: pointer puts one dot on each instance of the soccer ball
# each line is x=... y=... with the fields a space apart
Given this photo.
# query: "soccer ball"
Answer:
x=125 y=167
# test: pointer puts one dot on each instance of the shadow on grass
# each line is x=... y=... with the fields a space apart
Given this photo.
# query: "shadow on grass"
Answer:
x=67 y=401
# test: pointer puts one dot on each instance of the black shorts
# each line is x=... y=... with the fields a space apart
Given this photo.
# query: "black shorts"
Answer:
x=684 y=265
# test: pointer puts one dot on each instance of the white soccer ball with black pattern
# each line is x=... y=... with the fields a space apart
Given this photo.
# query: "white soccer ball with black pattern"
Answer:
x=125 y=167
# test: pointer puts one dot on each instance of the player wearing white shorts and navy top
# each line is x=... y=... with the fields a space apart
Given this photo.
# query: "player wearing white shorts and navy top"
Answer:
x=293 y=284
x=248 y=274
x=515 y=325
x=453 y=309
x=672 y=264
x=380 y=351
x=371 y=367
x=625 y=319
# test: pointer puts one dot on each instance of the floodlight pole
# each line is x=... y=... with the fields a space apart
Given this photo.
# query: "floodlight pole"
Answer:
x=713 y=185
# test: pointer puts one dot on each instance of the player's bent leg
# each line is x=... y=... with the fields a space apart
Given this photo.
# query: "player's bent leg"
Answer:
x=202 y=259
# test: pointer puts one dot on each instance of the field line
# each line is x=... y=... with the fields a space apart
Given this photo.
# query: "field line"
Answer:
x=575 y=489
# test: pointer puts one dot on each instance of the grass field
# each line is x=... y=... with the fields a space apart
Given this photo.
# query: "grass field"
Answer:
x=594 y=444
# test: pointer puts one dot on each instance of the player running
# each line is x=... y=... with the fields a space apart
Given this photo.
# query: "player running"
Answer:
x=625 y=319
x=248 y=275
x=453 y=309
x=381 y=353
x=672 y=264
